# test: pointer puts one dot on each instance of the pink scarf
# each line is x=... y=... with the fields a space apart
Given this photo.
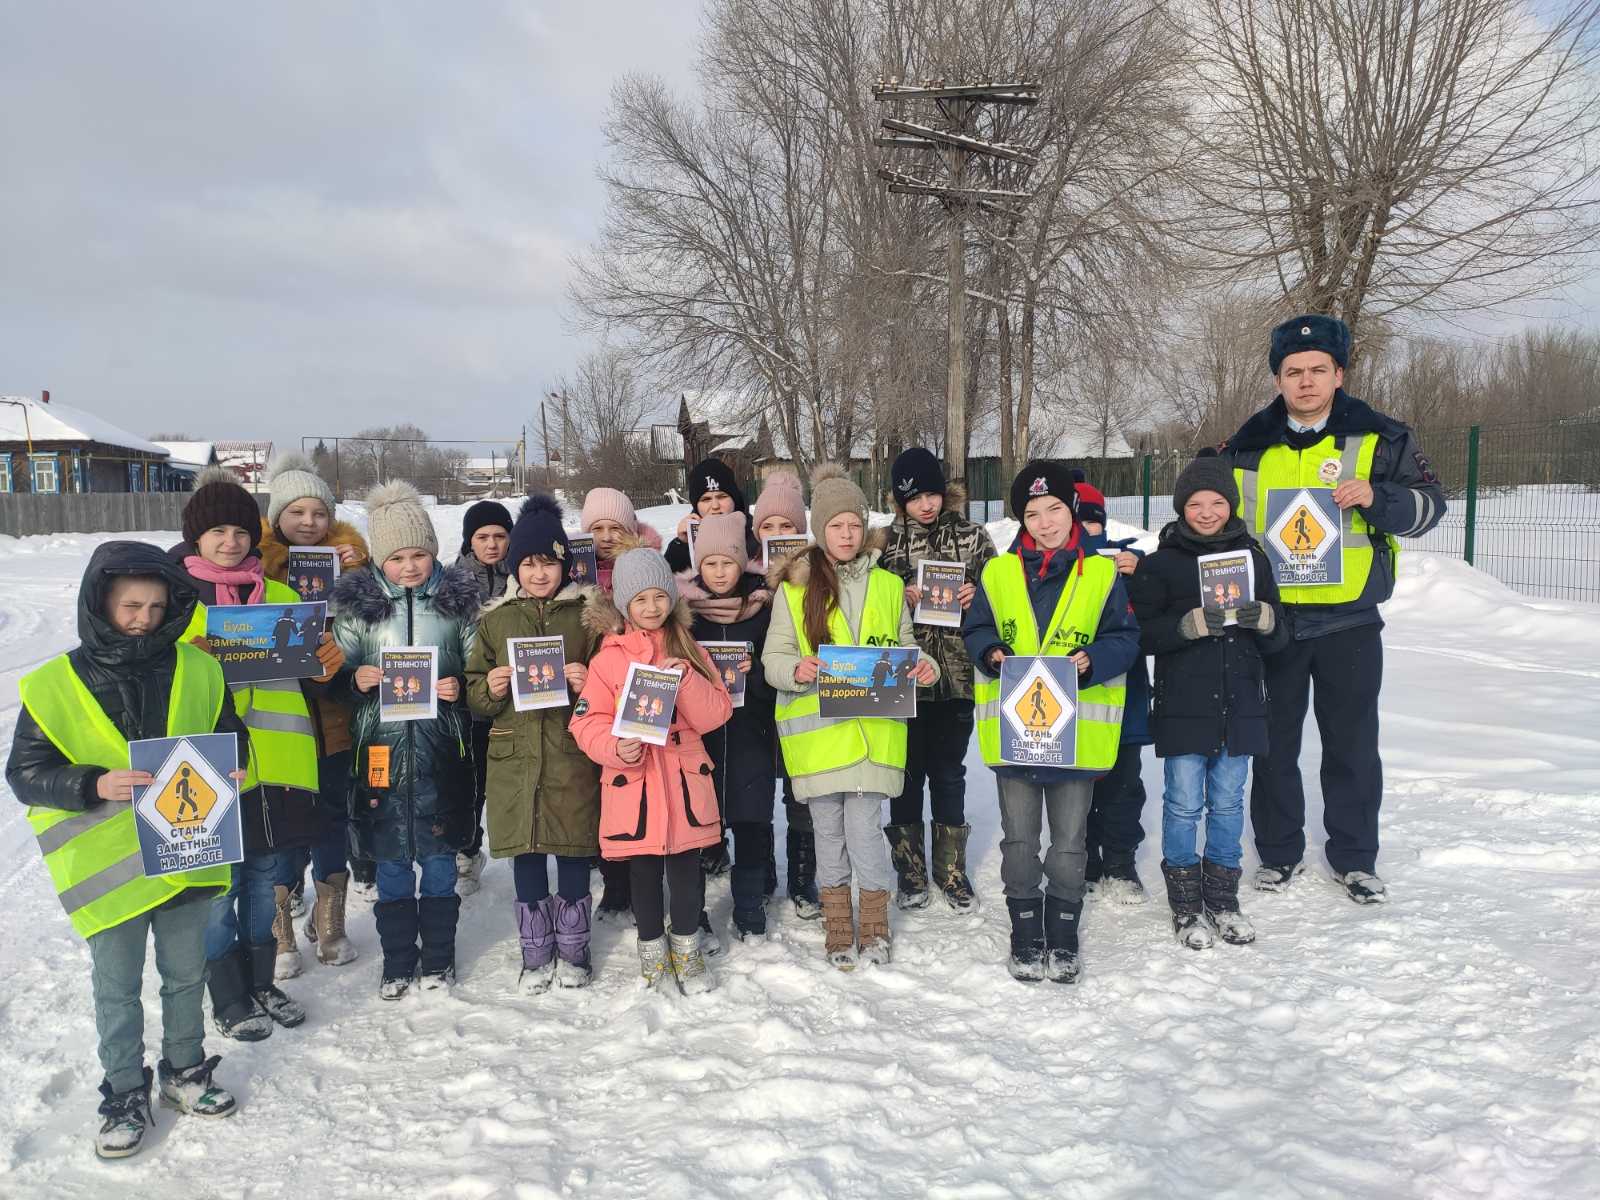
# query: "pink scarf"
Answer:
x=228 y=580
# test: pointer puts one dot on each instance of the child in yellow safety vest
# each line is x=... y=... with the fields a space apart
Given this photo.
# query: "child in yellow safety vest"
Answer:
x=843 y=769
x=129 y=679
x=1045 y=596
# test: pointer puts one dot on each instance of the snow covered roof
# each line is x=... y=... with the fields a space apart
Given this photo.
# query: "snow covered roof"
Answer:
x=725 y=411
x=1053 y=436
x=195 y=455
x=666 y=443
x=24 y=417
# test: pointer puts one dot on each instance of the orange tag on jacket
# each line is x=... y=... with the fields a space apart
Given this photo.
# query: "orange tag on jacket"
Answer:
x=378 y=766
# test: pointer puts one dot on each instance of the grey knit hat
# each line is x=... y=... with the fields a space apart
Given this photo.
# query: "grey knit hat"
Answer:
x=638 y=570
x=397 y=521
x=833 y=492
x=292 y=477
x=1207 y=473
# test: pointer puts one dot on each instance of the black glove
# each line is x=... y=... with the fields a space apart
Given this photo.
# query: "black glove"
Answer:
x=1257 y=616
x=1201 y=622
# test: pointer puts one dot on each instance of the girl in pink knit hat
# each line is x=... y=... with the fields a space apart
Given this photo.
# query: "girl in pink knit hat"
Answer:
x=609 y=516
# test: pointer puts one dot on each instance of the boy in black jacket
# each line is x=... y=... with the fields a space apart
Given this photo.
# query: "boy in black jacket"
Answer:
x=1210 y=699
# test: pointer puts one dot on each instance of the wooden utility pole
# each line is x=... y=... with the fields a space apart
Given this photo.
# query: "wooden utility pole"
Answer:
x=953 y=145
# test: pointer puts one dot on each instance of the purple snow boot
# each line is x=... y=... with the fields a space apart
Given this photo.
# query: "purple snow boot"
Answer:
x=538 y=936
x=572 y=942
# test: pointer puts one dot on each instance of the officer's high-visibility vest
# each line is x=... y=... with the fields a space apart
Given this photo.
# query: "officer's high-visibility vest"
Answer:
x=93 y=856
x=813 y=744
x=283 y=739
x=1072 y=627
x=1283 y=467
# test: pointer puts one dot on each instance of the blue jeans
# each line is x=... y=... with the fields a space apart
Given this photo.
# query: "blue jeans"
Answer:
x=243 y=914
x=1214 y=785
x=398 y=881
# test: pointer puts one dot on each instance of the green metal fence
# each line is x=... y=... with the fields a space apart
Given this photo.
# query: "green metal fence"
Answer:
x=1524 y=502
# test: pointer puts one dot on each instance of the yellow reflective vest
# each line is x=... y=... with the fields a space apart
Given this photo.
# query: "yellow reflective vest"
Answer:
x=283 y=739
x=1072 y=626
x=813 y=744
x=93 y=856
x=1283 y=467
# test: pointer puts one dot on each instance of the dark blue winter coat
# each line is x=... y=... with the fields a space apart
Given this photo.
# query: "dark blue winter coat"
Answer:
x=1112 y=652
x=1136 y=709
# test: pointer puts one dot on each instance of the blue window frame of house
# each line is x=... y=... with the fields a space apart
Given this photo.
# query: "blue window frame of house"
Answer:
x=46 y=473
x=136 y=477
x=5 y=472
x=77 y=473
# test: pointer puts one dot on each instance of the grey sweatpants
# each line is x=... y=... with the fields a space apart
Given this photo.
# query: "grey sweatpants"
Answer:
x=1023 y=809
x=118 y=955
x=849 y=829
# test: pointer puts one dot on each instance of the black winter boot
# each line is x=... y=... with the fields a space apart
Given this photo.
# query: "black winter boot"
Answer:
x=1061 y=939
x=950 y=866
x=234 y=1010
x=749 y=908
x=397 y=934
x=908 y=851
x=715 y=860
x=1183 y=893
x=1120 y=882
x=1219 y=890
x=436 y=920
x=271 y=998
x=616 y=902
x=802 y=848
x=1027 y=939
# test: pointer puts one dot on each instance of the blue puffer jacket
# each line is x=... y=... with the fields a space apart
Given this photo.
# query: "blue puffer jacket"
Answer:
x=1112 y=652
x=426 y=807
x=1136 y=714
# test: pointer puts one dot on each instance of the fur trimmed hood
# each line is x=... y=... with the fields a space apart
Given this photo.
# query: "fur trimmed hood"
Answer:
x=274 y=550
x=570 y=593
x=368 y=596
x=604 y=619
x=796 y=568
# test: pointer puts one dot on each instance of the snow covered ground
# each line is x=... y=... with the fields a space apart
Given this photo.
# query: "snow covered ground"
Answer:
x=1447 y=1045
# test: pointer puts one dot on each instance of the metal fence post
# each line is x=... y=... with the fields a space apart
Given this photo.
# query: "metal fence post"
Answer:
x=1472 y=492
x=1145 y=487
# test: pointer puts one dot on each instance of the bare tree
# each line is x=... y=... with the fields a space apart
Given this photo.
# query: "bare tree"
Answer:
x=605 y=415
x=1379 y=157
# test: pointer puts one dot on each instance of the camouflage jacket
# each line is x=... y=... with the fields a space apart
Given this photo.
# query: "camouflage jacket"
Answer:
x=951 y=538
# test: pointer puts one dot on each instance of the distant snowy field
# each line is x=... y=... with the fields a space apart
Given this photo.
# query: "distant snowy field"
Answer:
x=1447 y=1045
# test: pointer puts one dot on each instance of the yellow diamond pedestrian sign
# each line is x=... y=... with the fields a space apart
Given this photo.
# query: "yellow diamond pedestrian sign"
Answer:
x=1037 y=706
x=185 y=796
x=1300 y=532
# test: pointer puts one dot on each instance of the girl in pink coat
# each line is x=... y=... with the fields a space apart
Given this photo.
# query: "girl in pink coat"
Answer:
x=658 y=806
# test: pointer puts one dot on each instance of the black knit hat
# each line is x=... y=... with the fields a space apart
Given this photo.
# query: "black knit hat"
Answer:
x=714 y=475
x=539 y=531
x=1311 y=332
x=218 y=499
x=479 y=515
x=916 y=473
x=1045 y=477
x=1207 y=473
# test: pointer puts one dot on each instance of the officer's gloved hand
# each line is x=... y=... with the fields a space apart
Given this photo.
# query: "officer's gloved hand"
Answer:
x=1201 y=622
x=1257 y=616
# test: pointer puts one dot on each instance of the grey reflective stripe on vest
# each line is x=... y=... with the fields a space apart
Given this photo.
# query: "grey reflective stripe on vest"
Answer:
x=62 y=832
x=274 y=722
x=1105 y=714
x=1349 y=465
x=103 y=883
x=808 y=723
x=989 y=710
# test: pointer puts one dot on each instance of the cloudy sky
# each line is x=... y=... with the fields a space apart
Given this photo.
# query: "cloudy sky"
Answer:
x=305 y=218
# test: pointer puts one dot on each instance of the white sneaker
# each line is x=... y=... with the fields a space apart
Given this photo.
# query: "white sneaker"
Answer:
x=469 y=871
x=1363 y=887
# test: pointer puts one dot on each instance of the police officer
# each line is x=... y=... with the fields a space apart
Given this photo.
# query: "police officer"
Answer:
x=1314 y=435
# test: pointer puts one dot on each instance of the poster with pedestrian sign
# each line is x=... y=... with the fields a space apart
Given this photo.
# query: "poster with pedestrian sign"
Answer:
x=538 y=672
x=775 y=547
x=584 y=568
x=1038 y=711
x=1227 y=580
x=189 y=816
x=409 y=690
x=725 y=659
x=256 y=642
x=867 y=681
x=1305 y=537
x=940 y=585
x=644 y=709
x=312 y=570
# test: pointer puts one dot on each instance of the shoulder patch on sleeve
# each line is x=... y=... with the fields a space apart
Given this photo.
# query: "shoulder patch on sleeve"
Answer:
x=1424 y=467
x=581 y=708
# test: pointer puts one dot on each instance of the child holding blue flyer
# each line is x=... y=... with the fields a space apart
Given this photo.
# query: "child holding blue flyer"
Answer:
x=543 y=793
x=281 y=814
x=844 y=771
x=130 y=678
x=412 y=802
x=1047 y=596
x=1211 y=700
